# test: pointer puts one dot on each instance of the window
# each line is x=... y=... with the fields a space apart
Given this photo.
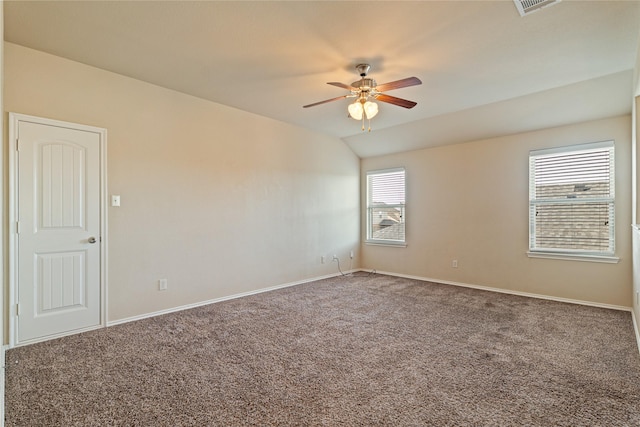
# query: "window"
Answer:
x=385 y=206
x=571 y=201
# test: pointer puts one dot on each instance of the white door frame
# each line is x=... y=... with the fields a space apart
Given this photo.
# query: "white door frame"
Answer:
x=14 y=120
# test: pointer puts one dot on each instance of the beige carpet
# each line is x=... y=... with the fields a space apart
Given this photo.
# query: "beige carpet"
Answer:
x=350 y=351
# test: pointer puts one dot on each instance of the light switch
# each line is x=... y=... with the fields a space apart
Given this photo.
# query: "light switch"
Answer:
x=115 y=200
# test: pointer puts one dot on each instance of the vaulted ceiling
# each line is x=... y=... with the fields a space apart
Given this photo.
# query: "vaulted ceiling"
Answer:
x=486 y=71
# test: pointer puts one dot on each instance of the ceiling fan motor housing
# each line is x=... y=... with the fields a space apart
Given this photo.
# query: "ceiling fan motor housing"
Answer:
x=364 y=84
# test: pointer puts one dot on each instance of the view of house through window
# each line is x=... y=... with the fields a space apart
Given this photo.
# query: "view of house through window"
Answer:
x=571 y=200
x=386 y=206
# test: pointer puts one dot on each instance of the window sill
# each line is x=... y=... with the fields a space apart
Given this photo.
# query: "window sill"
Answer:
x=392 y=243
x=608 y=259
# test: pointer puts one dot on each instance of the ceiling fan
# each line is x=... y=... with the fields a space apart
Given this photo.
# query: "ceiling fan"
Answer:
x=365 y=90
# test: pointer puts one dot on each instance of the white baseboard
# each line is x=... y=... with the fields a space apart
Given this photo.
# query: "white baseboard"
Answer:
x=55 y=336
x=225 y=298
x=510 y=292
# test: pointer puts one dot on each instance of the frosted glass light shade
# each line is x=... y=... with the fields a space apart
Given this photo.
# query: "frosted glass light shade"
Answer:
x=370 y=109
x=355 y=110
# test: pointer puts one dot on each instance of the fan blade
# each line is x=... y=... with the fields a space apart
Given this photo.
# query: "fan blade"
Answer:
x=342 y=85
x=409 y=81
x=395 y=101
x=325 y=101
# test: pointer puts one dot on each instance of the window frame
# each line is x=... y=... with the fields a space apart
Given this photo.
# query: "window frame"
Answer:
x=369 y=239
x=566 y=253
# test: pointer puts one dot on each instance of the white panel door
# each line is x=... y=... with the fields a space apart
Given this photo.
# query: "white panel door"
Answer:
x=58 y=240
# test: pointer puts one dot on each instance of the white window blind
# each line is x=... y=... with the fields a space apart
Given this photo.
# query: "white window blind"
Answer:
x=571 y=200
x=386 y=206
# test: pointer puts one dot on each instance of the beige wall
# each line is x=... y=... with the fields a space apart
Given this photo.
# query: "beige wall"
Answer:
x=469 y=202
x=216 y=200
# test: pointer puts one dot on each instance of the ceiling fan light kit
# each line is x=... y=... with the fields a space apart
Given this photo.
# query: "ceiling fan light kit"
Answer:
x=366 y=90
x=362 y=109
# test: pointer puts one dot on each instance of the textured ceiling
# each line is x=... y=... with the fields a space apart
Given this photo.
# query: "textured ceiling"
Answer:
x=486 y=71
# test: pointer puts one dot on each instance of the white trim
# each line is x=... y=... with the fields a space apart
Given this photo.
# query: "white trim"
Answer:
x=54 y=336
x=388 y=170
x=555 y=172
x=14 y=119
x=11 y=248
x=636 y=328
x=3 y=236
x=392 y=243
x=511 y=292
x=104 y=229
x=587 y=146
x=367 y=208
x=574 y=257
x=221 y=299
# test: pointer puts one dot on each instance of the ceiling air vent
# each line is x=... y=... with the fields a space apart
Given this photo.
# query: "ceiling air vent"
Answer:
x=526 y=7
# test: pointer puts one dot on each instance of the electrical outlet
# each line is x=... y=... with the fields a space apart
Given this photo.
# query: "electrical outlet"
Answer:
x=351 y=254
x=162 y=285
x=322 y=259
x=335 y=257
x=454 y=263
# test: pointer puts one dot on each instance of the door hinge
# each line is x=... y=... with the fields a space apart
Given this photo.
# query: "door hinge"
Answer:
x=17 y=309
x=17 y=144
x=17 y=227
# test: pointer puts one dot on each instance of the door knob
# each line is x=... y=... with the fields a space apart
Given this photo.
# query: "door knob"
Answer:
x=92 y=239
